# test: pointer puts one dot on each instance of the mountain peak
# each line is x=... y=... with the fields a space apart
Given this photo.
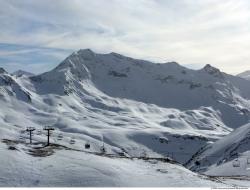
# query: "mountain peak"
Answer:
x=85 y=52
x=2 y=70
x=209 y=67
x=76 y=58
x=212 y=71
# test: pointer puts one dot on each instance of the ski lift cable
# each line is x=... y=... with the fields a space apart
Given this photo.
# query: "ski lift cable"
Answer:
x=236 y=163
x=60 y=136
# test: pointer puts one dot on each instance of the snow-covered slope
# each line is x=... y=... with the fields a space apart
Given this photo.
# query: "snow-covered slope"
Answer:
x=66 y=168
x=166 y=85
x=229 y=156
x=10 y=88
x=129 y=100
x=245 y=75
x=136 y=107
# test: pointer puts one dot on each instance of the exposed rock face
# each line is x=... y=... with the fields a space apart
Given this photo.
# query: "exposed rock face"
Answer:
x=213 y=71
x=2 y=70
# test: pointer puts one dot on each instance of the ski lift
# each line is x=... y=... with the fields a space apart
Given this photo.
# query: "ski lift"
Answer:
x=103 y=150
x=21 y=137
x=49 y=133
x=87 y=146
x=72 y=141
x=236 y=163
x=39 y=132
x=60 y=137
x=121 y=154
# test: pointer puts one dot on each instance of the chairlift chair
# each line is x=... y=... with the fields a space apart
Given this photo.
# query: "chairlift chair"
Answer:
x=121 y=154
x=103 y=150
x=39 y=132
x=60 y=137
x=87 y=146
x=236 y=163
x=72 y=141
x=21 y=137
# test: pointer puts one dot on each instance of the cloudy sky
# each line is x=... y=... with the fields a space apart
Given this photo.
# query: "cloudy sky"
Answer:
x=37 y=35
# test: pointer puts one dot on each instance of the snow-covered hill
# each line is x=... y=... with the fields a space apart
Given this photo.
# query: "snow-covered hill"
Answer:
x=66 y=168
x=138 y=108
x=229 y=156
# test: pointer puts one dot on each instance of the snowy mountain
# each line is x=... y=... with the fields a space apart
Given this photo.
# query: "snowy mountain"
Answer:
x=20 y=73
x=159 y=84
x=245 y=75
x=2 y=70
x=10 y=88
x=135 y=107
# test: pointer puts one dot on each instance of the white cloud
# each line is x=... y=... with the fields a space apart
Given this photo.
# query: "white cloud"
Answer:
x=188 y=31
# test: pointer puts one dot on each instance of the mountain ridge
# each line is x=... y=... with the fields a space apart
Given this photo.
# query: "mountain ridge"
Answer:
x=122 y=73
x=245 y=75
x=20 y=73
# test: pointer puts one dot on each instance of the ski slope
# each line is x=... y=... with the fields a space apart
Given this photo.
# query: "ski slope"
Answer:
x=66 y=168
x=229 y=156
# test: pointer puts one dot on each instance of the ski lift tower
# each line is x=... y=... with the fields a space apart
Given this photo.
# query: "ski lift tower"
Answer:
x=30 y=130
x=48 y=129
x=103 y=149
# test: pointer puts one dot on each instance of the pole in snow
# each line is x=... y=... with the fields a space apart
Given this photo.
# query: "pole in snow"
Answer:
x=103 y=150
x=48 y=129
x=30 y=130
